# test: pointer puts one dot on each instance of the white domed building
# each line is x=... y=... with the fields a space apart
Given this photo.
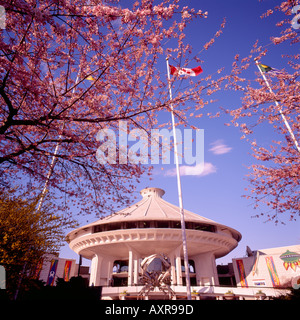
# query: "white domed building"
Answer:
x=118 y=243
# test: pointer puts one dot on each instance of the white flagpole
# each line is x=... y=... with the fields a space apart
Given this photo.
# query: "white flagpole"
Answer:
x=278 y=106
x=184 y=242
x=54 y=157
x=45 y=187
x=44 y=191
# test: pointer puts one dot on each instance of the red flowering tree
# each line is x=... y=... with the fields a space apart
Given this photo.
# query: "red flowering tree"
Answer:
x=71 y=68
x=275 y=178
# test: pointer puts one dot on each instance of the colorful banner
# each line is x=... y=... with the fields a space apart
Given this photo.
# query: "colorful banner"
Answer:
x=254 y=268
x=38 y=269
x=67 y=270
x=242 y=273
x=52 y=272
x=290 y=259
x=272 y=271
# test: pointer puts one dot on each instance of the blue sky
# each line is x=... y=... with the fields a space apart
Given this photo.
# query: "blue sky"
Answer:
x=217 y=195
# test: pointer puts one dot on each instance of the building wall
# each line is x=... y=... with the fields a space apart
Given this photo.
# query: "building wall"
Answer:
x=206 y=271
x=102 y=269
x=274 y=267
x=60 y=268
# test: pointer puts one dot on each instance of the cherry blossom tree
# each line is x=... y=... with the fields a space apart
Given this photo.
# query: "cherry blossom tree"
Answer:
x=71 y=68
x=275 y=178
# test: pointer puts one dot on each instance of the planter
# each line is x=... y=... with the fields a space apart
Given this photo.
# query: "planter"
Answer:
x=195 y=296
x=229 y=296
x=122 y=296
x=260 y=296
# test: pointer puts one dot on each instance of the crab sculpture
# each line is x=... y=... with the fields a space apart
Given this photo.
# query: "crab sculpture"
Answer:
x=156 y=273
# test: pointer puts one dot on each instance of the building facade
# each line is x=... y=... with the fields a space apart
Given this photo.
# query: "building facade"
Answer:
x=269 y=268
x=53 y=267
x=118 y=243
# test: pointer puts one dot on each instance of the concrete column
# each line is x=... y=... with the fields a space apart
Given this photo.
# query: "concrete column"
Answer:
x=130 y=268
x=110 y=264
x=173 y=269
x=93 y=270
x=215 y=278
x=136 y=269
x=96 y=270
x=198 y=270
x=178 y=266
x=206 y=270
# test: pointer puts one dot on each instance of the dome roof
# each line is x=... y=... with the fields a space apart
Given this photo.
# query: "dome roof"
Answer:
x=153 y=208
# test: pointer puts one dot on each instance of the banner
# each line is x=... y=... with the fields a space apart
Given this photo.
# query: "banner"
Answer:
x=290 y=259
x=242 y=274
x=254 y=268
x=38 y=269
x=52 y=272
x=272 y=271
x=67 y=270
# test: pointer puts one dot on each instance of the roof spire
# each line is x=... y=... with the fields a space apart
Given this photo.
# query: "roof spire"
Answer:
x=150 y=192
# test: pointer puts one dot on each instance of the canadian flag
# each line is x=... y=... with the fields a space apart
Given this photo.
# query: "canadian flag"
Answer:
x=185 y=71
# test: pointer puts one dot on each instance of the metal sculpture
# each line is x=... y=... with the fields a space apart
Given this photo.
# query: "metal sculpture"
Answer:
x=156 y=273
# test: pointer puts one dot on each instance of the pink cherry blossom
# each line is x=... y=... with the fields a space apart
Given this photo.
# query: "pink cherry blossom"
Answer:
x=71 y=68
x=275 y=177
